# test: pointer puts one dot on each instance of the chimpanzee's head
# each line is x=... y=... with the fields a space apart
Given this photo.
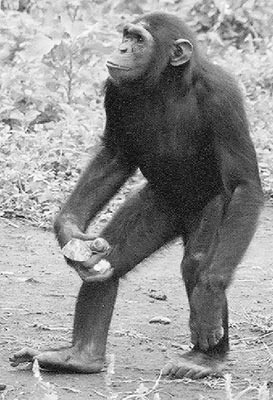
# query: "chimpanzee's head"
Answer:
x=150 y=44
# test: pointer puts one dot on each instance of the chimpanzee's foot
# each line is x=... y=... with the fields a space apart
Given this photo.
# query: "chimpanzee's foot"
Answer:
x=25 y=355
x=194 y=365
x=69 y=359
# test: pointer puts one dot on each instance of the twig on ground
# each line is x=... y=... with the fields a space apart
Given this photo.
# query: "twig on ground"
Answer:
x=9 y=222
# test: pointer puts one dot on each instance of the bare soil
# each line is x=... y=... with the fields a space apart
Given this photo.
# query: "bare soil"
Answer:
x=38 y=293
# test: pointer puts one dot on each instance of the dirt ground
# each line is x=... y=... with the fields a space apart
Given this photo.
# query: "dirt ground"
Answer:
x=38 y=292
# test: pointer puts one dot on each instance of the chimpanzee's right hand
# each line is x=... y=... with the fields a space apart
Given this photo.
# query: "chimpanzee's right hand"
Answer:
x=87 y=269
x=66 y=230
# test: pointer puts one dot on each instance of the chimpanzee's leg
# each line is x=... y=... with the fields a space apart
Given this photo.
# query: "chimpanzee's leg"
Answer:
x=138 y=229
x=93 y=315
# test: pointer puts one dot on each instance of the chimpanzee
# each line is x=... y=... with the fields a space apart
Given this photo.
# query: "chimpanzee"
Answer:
x=180 y=119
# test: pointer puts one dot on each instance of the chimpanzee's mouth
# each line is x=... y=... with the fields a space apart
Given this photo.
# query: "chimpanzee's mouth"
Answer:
x=110 y=64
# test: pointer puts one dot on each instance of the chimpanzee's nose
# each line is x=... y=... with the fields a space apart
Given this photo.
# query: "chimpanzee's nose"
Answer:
x=123 y=48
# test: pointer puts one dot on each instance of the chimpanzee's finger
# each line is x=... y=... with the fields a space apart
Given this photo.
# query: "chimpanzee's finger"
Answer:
x=84 y=236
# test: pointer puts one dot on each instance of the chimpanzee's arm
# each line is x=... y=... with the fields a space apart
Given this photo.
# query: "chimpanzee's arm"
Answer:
x=244 y=198
x=104 y=175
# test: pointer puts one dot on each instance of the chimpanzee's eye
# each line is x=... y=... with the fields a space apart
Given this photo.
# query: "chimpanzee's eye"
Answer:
x=139 y=38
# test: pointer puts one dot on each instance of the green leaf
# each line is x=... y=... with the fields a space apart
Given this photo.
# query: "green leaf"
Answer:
x=39 y=46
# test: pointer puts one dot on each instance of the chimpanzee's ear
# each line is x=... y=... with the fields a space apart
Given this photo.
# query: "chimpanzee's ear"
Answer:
x=181 y=53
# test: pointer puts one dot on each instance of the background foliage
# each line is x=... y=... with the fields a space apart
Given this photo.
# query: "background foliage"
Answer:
x=52 y=56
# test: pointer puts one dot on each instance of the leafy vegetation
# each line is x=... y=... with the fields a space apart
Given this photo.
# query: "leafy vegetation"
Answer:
x=52 y=56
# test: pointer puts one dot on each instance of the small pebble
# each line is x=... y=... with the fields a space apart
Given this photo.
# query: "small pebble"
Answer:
x=77 y=250
x=157 y=296
x=160 y=320
x=102 y=266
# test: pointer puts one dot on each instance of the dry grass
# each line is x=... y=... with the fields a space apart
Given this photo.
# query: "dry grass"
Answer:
x=47 y=391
